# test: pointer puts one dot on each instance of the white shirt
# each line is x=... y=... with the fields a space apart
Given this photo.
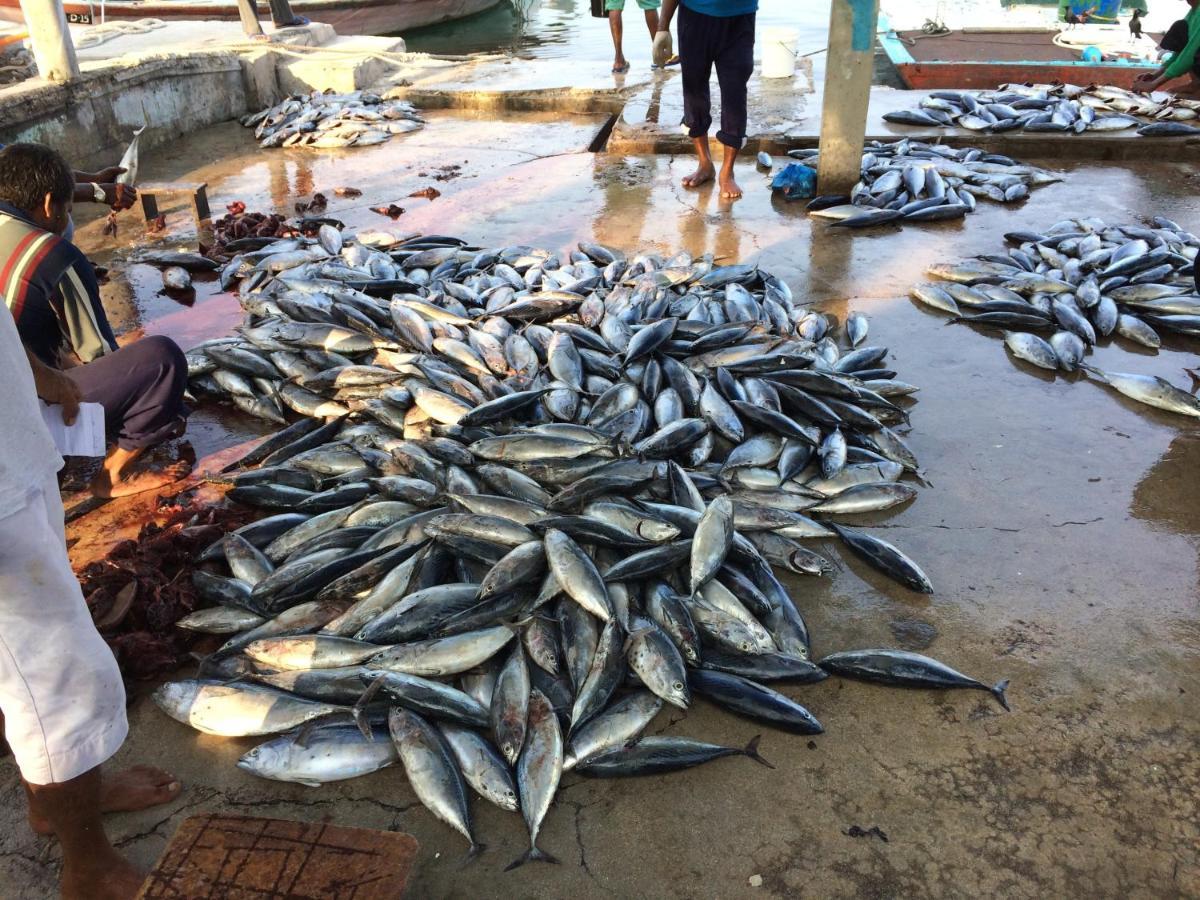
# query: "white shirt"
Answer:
x=28 y=456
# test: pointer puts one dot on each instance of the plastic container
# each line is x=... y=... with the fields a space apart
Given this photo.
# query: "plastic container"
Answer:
x=796 y=181
x=779 y=52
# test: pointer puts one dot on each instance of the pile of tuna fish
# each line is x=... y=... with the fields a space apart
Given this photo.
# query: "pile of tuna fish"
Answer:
x=1061 y=108
x=529 y=502
x=1083 y=281
x=328 y=120
x=911 y=181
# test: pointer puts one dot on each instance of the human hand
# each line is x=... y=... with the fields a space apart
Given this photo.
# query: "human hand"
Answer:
x=662 y=47
x=119 y=196
x=105 y=176
x=56 y=388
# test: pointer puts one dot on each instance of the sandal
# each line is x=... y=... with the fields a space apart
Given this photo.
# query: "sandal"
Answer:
x=620 y=70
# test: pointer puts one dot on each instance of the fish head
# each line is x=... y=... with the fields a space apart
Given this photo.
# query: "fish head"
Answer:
x=262 y=760
x=677 y=694
x=176 y=698
x=656 y=531
x=504 y=797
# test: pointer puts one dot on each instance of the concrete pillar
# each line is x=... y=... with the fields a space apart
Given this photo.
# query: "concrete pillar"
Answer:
x=848 y=69
x=52 y=46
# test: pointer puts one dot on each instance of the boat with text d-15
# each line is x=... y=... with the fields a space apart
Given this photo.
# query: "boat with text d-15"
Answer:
x=346 y=16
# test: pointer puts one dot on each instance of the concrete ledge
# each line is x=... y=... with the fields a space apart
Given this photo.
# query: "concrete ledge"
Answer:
x=571 y=100
x=352 y=69
x=260 y=81
x=90 y=120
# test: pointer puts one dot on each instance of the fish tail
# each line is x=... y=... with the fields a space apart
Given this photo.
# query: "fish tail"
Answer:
x=474 y=851
x=998 y=690
x=359 y=709
x=533 y=854
x=751 y=750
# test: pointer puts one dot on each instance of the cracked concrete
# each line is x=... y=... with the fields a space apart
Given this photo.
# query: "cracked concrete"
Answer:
x=1060 y=530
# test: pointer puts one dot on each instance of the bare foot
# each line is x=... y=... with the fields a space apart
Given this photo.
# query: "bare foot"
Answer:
x=729 y=188
x=139 y=482
x=138 y=787
x=704 y=173
x=107 y=876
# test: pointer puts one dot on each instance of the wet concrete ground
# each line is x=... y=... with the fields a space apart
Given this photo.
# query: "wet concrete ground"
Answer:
x=1059 y=528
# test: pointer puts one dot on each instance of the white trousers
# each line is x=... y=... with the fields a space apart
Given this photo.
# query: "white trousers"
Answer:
x=60 y=688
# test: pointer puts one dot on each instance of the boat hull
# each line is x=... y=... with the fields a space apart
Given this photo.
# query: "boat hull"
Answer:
x=924 y=76
x=346 y=16
x=983 y=58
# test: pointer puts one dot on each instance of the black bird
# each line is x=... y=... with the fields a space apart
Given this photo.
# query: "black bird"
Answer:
x=1135 y=24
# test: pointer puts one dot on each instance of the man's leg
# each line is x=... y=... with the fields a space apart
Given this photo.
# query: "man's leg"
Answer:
x=282 y=15
x=141 y=389
x=695 y=69
x=126 y=790
x=64 y=721
x=248 y=13
x=91 y=867
x=735 y=65
x=652 y=21
x=617 y=27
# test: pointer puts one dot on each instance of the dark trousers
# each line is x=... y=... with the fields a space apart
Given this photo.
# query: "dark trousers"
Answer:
x=141 y=389
x=728 y=43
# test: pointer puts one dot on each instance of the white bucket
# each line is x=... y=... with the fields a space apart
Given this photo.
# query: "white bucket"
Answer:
x=779 y=52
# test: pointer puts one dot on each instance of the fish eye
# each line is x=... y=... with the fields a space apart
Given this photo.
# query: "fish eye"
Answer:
x=746 y=646
x=678 y=686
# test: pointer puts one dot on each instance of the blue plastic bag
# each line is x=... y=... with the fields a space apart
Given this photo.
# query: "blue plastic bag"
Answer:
x=798 y=182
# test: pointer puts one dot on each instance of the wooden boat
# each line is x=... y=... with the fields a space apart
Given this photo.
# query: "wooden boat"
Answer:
x=982 y=58
x=346 y=16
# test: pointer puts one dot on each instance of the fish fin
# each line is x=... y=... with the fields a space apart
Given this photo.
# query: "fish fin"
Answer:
x=635 y=633
x=474 y=851
x=998 y=690
x=533 y=854
x=359 y=709
x=207 y=662
x=751 y=750
x=1092 y=370
x=305 y=732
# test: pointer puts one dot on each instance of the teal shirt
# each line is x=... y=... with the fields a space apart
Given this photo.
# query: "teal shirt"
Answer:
x=722 y=8
x=1183 y=61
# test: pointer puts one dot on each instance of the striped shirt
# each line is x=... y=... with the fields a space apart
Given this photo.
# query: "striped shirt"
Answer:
x=52 y=291
x=28 y=457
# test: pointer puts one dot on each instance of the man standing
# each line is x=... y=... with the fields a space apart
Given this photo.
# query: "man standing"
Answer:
x=62 y=704
x=51 y=289
x=615 y=10
x=720 y=33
